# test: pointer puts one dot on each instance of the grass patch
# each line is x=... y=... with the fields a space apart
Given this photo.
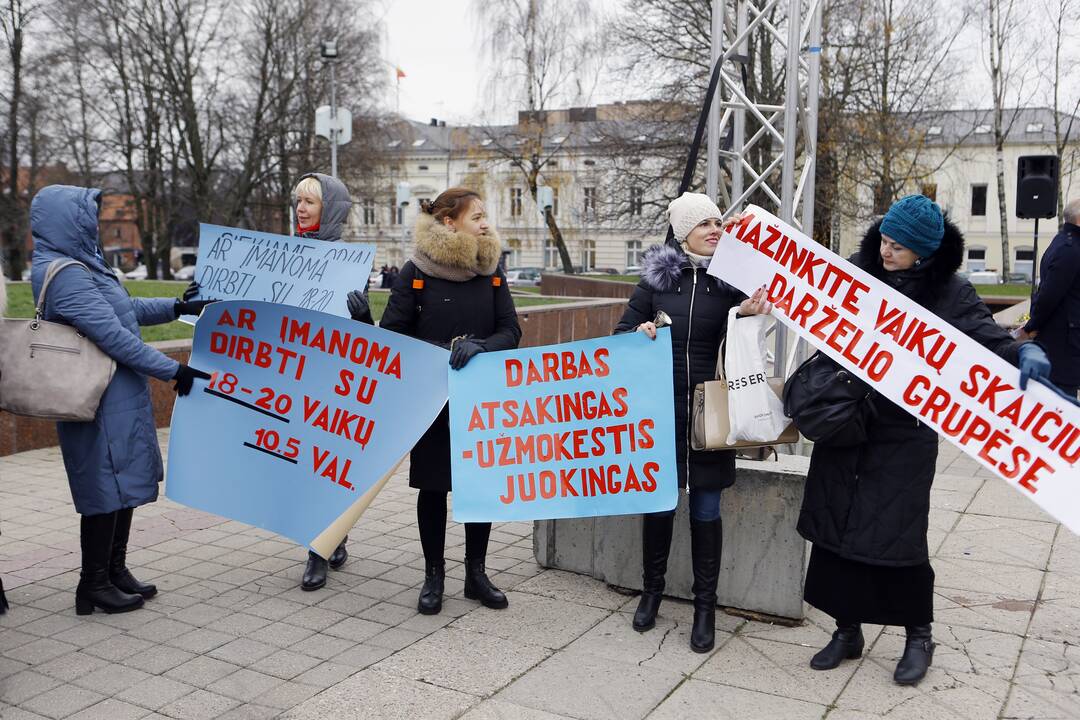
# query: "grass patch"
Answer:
x=1006 y=290
x=21 y=305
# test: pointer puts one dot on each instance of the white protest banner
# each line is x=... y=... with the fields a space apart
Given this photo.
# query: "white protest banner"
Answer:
x=914 y=358
x=235 y=264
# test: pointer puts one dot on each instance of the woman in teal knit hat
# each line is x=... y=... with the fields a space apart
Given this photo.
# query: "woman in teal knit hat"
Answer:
x=866 y=507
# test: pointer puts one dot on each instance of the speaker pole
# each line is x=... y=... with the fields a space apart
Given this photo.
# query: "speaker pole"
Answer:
x=1035 y=260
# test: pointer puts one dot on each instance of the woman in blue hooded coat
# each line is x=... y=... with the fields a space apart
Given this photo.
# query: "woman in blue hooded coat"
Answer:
x=113 y=463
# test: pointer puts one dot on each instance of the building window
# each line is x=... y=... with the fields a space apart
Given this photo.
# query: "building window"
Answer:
x=369 y=212
x=633 y=253
x=930 y=191
x=396 y=213
x=422 y=167
x=555 y=201
x=978 y=200
x=590 y=202
x=515 y=202
x=1024 y=261
x=513 y=258
x=636 y=200
x=551 y=254
x=976 y=259
x=588 y=255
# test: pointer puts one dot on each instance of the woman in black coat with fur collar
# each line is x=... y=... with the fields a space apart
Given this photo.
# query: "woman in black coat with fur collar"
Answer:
x=451 y=293
x=866 y=507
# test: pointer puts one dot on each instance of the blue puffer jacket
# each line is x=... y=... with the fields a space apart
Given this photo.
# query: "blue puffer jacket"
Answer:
x=113 y=462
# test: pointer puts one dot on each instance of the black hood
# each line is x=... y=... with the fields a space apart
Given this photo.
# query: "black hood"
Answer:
x=932 y=272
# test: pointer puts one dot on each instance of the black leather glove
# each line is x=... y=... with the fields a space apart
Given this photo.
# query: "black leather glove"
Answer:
x=359 y=309
x=191 y=307
x=185 y=378
x=191 y=291
x=463 y=351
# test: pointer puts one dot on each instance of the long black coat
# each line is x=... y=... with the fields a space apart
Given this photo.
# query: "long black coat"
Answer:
x=672 y=283
x=871 y=502
x=1055 y=313
x=439 y=312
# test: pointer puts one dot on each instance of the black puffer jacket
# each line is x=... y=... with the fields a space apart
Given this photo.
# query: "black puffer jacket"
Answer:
x=871 y=502
x=698 y=305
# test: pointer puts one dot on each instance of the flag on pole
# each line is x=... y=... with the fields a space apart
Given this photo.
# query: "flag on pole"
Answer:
x=400 y=73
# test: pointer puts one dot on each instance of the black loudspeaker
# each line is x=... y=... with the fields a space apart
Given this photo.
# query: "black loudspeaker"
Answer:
x=1036 y=186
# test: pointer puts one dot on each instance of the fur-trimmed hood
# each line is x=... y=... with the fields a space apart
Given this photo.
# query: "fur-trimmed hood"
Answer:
x=930 y=274
x=662 y=266
x=452 y=255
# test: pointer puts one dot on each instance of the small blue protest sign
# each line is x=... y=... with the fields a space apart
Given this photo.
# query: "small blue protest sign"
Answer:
x=574 y=430
x=235 y=264
x=304 y=419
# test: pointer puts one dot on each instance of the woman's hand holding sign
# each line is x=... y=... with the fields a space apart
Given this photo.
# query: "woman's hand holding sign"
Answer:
x=756 y=304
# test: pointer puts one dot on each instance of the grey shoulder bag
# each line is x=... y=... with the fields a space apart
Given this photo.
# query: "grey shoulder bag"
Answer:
x=50 y=370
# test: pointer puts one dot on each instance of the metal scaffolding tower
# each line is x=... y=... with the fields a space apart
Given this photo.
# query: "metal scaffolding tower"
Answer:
x=779 y=172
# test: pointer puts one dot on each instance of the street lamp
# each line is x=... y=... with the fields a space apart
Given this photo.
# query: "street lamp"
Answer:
x=329 y=51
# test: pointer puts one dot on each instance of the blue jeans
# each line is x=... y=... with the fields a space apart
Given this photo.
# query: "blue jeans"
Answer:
x=704 y=505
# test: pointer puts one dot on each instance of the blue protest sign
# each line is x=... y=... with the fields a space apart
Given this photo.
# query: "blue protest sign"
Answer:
x=236 y=264
x=305 y=417
x=574 y=430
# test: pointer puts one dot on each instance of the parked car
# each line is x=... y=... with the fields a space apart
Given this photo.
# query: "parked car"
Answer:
x=523 y=277
x=633 y=270
x=185 y=273
x=139 y=273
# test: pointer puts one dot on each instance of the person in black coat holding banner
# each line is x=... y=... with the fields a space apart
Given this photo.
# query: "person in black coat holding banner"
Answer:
x=1055 y=310
x=866 y=507
x=674 y=281
x=453 y=294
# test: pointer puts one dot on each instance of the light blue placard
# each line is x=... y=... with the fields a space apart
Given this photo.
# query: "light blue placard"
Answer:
x=235 y=264
x=535 y=434
x=305 y=414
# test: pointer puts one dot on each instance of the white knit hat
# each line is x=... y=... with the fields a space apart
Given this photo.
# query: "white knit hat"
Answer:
x=687 y=211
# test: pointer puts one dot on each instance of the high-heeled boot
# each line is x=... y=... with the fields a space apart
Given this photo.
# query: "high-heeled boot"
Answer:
x=706 y=538
x=656 y=531
x=119 y=574
x=847 y=644
x=95 y=589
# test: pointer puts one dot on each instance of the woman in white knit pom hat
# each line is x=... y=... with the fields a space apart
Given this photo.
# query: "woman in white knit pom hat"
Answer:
x=674 y=280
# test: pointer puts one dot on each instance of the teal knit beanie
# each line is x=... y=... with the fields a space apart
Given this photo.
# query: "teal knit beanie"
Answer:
x=916 y=223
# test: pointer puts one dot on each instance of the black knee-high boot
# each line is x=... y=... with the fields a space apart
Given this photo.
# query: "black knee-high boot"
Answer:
x=119 y=574
x=656 y=529
x=706 y=538
x=431 y=522
x=95 y=589
x=477 y=584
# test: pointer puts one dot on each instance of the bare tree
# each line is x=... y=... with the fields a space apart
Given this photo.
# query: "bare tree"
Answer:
x=14 y=20
x=1062 y=17
x=1007 y=66
x=544 y=53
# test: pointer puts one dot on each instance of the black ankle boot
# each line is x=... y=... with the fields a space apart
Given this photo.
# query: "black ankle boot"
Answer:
x=655 y=546
x=706 y=538
x=340 y=555
x=314 y=572
x=95 y=589
x=918 y=656
x=479 y=587
x=430 y=602
x=119 y=574
x=847 y=644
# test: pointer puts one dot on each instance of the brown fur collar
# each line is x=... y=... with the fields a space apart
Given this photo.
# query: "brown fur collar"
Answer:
x=451 y=255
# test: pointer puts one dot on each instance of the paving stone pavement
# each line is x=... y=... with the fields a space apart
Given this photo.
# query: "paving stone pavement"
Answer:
x=231 y=635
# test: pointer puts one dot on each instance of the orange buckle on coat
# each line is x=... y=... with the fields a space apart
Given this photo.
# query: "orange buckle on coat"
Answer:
x=496 y=280
x=417 y=284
